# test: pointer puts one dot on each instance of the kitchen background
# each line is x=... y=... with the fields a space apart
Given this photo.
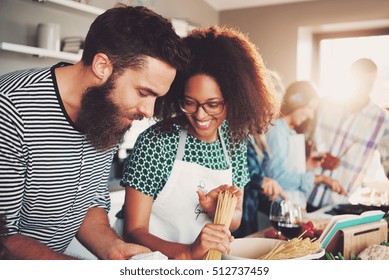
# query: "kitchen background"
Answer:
x=302 y=39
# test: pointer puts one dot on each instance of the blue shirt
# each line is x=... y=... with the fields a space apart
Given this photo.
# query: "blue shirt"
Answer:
x=278 y=141
x=253 y=200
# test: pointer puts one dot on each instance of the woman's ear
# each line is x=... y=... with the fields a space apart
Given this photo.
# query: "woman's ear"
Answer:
x=102 y=67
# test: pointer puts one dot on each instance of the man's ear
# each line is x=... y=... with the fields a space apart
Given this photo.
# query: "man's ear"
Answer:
x=102 y=67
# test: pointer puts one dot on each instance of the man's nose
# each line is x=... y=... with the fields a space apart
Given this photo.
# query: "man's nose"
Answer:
x=147 y=107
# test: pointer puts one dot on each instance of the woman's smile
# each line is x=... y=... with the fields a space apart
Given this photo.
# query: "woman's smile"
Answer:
x=204 y=91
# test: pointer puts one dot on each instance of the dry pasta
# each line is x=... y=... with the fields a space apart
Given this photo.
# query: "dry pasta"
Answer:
x=225 y=208
x=295 y=248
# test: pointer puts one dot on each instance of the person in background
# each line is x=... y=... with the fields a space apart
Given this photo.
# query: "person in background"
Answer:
x=198 y=148
x=288 y=164
x=354 y=130
x=61 y=126
x=260 y=190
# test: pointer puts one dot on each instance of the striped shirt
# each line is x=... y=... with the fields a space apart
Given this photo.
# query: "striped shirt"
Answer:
x=354 y=138
x=50 y=175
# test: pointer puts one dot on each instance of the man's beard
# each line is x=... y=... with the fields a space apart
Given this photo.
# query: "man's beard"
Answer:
x=101 y=120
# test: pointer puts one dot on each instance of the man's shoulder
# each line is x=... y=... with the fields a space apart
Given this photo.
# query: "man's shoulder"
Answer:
x=375 y=111
x=21 y=79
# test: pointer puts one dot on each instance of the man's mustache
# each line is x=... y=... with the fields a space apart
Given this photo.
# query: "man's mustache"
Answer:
x=136 y=117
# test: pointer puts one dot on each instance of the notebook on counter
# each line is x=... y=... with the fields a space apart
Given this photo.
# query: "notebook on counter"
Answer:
x=339 y=222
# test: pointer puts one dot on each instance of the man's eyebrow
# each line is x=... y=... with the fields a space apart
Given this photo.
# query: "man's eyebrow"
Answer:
x=149 y=91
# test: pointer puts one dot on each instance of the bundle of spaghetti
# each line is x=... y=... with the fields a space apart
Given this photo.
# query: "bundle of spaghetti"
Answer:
x=225 y=208
x=295 y=248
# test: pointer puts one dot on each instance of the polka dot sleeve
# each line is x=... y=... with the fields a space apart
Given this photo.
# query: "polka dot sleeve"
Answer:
x=148 y=167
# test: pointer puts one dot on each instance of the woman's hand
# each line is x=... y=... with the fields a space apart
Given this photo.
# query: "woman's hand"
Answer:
x=208 y=201
x=333 y=184
x=271 y=188
x=211 y=237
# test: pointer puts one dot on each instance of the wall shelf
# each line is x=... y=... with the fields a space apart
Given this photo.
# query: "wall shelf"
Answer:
x=72 y=57
x=75 y=5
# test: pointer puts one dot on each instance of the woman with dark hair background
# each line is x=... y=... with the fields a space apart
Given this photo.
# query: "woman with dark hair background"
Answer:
x=198 y=148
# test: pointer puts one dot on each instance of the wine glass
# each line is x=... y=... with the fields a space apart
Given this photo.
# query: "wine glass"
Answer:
x=286 y=218
x=276 y=214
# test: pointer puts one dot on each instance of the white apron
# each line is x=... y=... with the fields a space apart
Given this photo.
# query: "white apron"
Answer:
x=296 y=162
x=176 y=214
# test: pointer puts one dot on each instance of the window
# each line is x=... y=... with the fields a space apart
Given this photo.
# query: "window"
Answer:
x=334 y=53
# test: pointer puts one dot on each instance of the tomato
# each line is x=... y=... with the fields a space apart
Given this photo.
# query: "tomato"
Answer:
x=310 y=225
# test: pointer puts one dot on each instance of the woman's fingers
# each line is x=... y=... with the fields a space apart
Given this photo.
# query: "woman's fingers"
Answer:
x=337 y=187
x=215 y=237
x=211 y=237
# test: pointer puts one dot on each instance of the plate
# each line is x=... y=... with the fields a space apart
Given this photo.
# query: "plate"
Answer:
x=253 y=248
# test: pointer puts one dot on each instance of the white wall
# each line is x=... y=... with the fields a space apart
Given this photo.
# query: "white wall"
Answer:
x=275 y=29
x=19 y=20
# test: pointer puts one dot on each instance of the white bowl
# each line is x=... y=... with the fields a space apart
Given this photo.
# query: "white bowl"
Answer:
x=253 y=248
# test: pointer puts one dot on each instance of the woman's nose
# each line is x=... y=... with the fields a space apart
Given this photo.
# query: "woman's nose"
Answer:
x=200 y=113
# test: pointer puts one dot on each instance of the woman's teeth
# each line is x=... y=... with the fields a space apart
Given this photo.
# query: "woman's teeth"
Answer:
x=204 y=124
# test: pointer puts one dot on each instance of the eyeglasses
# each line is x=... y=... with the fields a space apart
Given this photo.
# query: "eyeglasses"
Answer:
x=211 y=108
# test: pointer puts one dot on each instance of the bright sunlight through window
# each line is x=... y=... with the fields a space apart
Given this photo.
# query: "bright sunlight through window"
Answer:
x=336 y=56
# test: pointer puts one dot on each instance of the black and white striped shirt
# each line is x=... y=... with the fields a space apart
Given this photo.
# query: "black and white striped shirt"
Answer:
x=50 y=175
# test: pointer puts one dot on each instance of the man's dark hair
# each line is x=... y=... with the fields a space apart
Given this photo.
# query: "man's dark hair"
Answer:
x=127 y=34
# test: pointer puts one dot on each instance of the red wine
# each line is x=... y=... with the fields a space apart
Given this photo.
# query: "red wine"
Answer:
x=289 y=230
x=275 y=222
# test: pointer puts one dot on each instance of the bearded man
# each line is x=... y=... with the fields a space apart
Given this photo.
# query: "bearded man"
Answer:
x=60 y=127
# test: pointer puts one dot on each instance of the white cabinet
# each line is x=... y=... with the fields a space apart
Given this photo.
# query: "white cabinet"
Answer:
x=60 y=4
x=74 y=5
x=39 y=52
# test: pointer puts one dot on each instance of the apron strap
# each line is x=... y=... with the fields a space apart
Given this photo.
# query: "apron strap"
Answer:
x=181 y=146
x=224 y=148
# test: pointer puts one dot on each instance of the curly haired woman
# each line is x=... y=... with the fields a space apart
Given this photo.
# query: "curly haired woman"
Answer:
x=198 y=148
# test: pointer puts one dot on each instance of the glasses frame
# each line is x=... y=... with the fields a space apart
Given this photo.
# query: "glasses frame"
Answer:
x=198 y=105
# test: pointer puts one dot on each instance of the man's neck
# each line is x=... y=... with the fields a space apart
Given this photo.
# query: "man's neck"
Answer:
x=72 y=83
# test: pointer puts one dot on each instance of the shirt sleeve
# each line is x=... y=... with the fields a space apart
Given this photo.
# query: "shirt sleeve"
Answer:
x=277 y=138
x=254 y=168
x=150 y=161
x=12 y=165
x=238 y=154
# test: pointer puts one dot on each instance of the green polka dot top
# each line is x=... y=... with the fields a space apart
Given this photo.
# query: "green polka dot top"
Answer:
x=149 y=166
